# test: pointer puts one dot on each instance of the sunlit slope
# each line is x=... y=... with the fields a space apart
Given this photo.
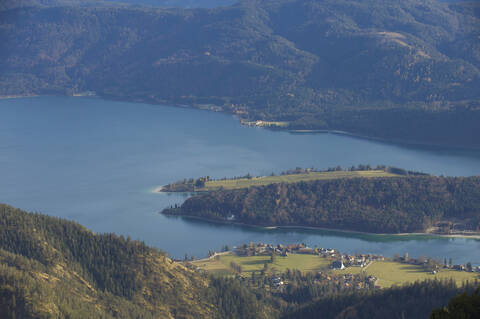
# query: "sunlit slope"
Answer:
x=290 y=178
x=52 y=268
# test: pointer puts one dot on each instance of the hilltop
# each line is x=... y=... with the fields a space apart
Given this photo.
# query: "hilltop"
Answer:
x=406 y=71
x=405 y=204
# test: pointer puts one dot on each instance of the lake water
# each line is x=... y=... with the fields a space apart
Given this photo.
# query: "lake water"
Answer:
x=96 y=162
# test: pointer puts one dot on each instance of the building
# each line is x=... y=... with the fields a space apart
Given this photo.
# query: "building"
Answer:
x=338 y=264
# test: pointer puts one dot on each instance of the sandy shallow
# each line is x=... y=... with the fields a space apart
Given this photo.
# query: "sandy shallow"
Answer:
x=158 y=189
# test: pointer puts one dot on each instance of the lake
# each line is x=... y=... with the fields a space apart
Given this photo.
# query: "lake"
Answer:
x=96 y=162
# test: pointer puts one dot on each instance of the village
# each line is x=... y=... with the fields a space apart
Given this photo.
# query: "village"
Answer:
x=278 y=281
x=434 y=266
x=339 y=261
x=279 y=266
x=344 y=261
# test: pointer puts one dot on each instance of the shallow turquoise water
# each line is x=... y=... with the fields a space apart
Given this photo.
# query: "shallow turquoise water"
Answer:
x=96 y=162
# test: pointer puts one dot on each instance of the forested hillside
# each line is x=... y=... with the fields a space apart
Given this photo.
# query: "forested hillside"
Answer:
x=378 y=205
x=52 y=268
x=405 y=70
x=412 y=301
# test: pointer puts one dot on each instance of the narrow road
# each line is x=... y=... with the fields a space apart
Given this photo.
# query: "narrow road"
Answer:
x=365 y=268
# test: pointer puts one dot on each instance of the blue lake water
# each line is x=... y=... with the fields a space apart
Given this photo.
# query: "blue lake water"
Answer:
x=96 y=162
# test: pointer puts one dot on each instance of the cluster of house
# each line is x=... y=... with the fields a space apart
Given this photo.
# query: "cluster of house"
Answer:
x=277 y=282
x=466 y=268
x=434 y=265
x=346 y=280
x=456 y=228
x=344 y=261
x=262 y=249
x=350 y=280
x=254 y=123
x=358 y=260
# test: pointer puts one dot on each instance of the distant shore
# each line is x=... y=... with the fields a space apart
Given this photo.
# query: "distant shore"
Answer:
x=81 y=94
x=7 y=97
x=273 y=227
x=214 y=108
x=158 y=189
x=376 y=139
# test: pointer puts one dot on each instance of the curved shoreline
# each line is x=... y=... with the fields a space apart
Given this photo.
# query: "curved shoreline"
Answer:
x=475 y=236
x=377 y=139
x=277 y=128
x=158 y=189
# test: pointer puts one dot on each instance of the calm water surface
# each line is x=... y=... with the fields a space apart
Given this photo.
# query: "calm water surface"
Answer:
x=96 y=162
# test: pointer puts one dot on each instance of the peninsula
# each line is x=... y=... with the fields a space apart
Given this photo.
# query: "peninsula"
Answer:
x=394 y=203
x=206 y=183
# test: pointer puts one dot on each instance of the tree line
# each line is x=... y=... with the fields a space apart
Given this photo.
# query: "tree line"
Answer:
x=53 y=268
x=378 y=205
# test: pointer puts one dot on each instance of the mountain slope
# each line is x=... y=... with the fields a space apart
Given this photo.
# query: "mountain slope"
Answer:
x=410 y=301
x=406 y=70
x=51 y=268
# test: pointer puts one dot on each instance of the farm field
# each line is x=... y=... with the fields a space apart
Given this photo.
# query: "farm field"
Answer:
x=290 y=178
x=392 y=273
x=389 y=273
x=305 y=263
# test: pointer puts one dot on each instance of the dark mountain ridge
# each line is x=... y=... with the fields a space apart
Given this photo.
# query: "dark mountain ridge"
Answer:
x=406 y=70
x=10 y=4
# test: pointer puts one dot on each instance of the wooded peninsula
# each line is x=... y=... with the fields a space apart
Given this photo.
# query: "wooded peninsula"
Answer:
x=401 y=202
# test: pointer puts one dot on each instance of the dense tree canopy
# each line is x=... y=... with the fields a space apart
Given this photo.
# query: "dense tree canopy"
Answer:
x=411 y=301
x=400 y=70
x=52 y=268
x=463 y=306
x=380 y=205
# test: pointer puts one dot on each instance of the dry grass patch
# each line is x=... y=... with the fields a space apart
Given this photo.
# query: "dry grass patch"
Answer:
x=291 y=178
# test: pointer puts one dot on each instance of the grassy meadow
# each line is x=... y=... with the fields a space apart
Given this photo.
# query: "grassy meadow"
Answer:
x=305 y=263
x=392 y=273
x=290 y=178
x=389 y=273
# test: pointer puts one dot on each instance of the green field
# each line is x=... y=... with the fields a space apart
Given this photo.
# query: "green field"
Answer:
x=301 y=262
x=389 y=273
x=393 y=273
x=291 y=178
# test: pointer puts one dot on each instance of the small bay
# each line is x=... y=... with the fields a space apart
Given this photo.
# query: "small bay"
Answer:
x=96 y=162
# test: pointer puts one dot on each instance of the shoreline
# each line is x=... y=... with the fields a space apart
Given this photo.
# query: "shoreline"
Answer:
x=475 y=236
x=10 y=97
x=158 y=189
x=399 y=142
x=276 y=128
